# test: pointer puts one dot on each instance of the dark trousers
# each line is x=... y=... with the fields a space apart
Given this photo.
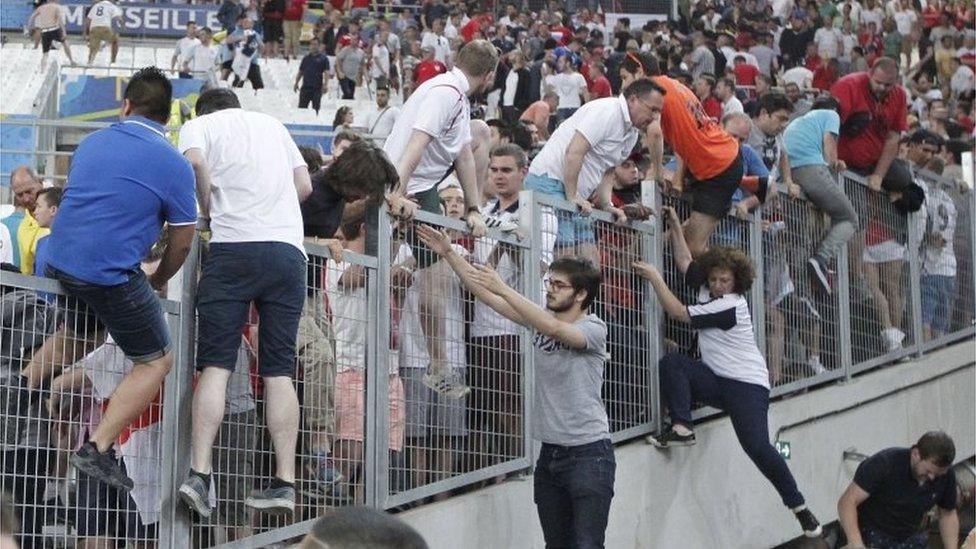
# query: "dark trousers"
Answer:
x=573 y=490
x=684 y=380
x=348 y=87
x=310 y=95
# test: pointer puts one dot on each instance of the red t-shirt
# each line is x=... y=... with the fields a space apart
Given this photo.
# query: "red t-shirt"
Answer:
x=294 y=9
x=360 y=3
x=853 y=92
x=474 y=25
x=699 y=140
x=713 y=107
x=813 y=63
x=566 y=34
x=931 y=15
x=745 y=74
x=601 y=88
x=824 y=77
x=427 y=69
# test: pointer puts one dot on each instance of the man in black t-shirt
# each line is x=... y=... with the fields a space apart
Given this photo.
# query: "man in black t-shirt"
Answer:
x=312 y=80
x=893 y=490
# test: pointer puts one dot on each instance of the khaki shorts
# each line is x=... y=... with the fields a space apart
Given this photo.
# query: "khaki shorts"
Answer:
x=293 y=33
x=97 y=35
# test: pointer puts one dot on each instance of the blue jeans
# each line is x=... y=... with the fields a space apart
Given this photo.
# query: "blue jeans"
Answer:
x=573 y=228
x=130 y=312
x=937 y=294
x=573 y=490
x=684 y=380
x=876 y=538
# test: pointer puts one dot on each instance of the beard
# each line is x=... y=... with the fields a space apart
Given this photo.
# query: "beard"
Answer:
x=556 y=306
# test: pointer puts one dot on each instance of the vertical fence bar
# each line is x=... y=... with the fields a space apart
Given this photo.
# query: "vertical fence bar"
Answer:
x=843 y=285
x=758 y=284
x=651 y=253
x=376 y=463
x=530 y=221
x=915 y=277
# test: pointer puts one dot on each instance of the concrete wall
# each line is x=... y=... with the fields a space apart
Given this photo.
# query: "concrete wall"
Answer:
x=710 y=495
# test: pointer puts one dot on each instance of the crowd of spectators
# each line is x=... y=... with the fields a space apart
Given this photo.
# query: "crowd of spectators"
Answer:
x=902 y=81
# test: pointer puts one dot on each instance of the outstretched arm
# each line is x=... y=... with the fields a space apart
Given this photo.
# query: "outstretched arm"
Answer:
x=671 y=304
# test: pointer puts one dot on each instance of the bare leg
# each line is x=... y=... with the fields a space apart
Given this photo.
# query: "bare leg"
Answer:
x=137 y=390
x=67 y=52
x=62 y=348
x=891 y=286
x=208 y=413
x=417 y=454
x=872 y=277
x=282 y=417
x=698 y=228
x=349 y=455
x=115 y=49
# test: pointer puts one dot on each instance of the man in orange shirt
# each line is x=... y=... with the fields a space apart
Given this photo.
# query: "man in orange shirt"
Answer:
x=539 y=112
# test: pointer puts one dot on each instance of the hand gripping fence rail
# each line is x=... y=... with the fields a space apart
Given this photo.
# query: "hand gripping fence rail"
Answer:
x=379 y=326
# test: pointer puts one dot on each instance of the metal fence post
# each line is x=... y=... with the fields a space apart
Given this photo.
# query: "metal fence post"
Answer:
x=530 y=221
x=914 y=279
x=759 y=283
x=651 y=247
x=174 y=520
x=843 y=284
x=376 y=464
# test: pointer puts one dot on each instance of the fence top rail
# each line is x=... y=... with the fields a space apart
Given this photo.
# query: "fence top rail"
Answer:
x=458 y=225
x=599 y=215
x=318 y=249
x=39 y=284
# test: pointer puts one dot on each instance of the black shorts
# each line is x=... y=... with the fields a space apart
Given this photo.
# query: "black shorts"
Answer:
x=270 y=274
x=49 y=37
x=227 y=65
x=310 y=95
x=254 y=75
x=273 y=30
x=713 y=197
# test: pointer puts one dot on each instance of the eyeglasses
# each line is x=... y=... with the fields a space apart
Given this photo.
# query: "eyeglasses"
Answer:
x=557 y=284
x=930 y=150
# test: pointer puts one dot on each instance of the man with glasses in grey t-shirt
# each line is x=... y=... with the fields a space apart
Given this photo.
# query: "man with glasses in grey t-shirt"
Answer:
x=575 y=472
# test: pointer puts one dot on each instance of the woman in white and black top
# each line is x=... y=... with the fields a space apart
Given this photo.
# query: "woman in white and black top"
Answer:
x=731 y=374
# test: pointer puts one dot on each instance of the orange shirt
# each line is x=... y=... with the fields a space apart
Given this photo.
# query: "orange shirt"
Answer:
x=697 y=138
x=538 y=113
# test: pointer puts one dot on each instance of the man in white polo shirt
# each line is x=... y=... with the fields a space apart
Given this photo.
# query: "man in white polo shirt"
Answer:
x=257 y=255
x=100 y=26
x=575 y=162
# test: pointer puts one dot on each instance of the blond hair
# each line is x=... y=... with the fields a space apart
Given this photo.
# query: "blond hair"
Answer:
x=477 y=58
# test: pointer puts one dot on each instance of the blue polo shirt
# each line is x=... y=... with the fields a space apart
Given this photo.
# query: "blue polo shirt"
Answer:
x=803 y=138
x=124 y=182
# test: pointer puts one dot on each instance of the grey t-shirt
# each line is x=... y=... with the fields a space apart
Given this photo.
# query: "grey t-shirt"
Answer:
x=349 y=60
x=769 y=148
x=704 y=61
x=568 y=408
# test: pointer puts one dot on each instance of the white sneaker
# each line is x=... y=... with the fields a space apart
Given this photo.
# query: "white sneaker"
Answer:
x=893 y=337
x=449 y=384
x=814 y=363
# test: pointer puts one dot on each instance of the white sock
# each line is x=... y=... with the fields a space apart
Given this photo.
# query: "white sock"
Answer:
x=798 y=509
x=682 y=430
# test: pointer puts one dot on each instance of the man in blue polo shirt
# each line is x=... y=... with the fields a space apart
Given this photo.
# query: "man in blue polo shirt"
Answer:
x=125 y=182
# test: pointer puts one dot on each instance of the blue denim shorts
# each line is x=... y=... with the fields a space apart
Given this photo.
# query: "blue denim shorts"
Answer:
x=235 y=274
x=573 y=228
x=937 y=298
x=130 y=312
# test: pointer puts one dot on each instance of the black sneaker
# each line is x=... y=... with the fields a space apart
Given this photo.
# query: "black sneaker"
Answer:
x=100 y=466
x=277 y=501
x=196 y=495
x=817 y=268
x=670 y=438
x=809 y=524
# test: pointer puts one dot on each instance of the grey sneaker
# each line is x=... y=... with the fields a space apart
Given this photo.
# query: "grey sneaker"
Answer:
x=196 y=495
x=103 y=467
x=277 y=501
x=449 y=384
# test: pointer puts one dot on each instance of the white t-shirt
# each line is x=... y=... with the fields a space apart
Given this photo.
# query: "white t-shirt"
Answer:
x=413 y=342
x=381 y=122
x=733 y=105
x=962 y=80
x=348 y=306
x=801 y=76
x=184 y=46
x=568 y=86
x=605 y=124
x=511 y=86
x=486 y=321
x=381 y=61
x=827 y=42
x=252 y=159
x=904 y=20
x=202 y=58
x=6 y=245
x=439 y=107
x=102 y=13
x=942 y=222
x=441 y=45
x=726 y=338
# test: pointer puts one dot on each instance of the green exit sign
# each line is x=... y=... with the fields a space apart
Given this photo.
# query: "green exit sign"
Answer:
x=783 y=448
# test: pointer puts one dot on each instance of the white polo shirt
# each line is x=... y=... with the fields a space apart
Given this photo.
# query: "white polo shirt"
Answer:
x=102 y=13
x=439 y=107
x=605 y=124
x=252 y=159
x=184 y=47
x=380 y=123
x=202 y=58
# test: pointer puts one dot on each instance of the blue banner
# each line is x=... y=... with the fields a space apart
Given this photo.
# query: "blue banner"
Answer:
x=98 y=98
x=16 y=137
x=138 y=18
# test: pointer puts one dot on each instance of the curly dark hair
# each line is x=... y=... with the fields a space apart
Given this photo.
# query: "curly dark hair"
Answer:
x=732 y=259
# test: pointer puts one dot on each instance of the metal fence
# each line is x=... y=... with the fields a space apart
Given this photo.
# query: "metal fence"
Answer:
x=376 y=323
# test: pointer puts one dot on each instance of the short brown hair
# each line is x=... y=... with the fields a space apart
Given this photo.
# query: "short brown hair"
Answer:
x=477 y=58
x=732 y=259
x=937 y=447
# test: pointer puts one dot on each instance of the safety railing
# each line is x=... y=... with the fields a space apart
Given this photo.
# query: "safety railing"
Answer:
x=372 y=433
